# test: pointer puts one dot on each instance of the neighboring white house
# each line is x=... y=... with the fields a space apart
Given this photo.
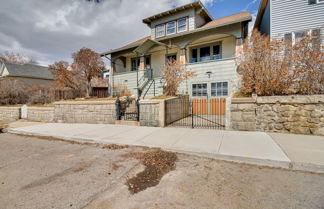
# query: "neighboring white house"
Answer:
x=291 y=19
x=105 y=74
x=190 y=35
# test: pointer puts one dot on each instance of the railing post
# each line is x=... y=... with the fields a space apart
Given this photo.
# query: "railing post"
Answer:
x=192 y=118
x=138 y=109
x=118 y=111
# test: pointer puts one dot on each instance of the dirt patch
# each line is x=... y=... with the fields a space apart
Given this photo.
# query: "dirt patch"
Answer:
x=51 y=138
x=157 y=163
x=115 y=146
x=47 y=180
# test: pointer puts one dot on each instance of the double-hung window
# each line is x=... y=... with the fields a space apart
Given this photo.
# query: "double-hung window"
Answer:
x=160 y=31
x=182 y=25
x=171 y=28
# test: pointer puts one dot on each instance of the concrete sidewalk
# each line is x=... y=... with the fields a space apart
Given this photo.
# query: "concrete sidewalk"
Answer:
x=249 y=147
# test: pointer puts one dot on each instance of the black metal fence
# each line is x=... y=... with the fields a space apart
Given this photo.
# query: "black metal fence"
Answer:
x=127 y=110
x=196 y=113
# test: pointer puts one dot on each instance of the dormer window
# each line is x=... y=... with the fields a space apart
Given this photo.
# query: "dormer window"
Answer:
x=182 y=25
x=171 y=27
x=160 y=30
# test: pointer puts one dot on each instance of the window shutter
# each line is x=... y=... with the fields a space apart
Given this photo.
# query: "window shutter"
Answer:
x=312 y=1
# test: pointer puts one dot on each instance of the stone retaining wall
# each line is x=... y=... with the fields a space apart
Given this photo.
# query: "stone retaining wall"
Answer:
x=40 y=114
x=93 y=112
x=285 y=114
x=9 y=114
x=152 y=113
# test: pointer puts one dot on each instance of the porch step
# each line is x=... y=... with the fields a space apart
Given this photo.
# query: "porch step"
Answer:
x=127 y=123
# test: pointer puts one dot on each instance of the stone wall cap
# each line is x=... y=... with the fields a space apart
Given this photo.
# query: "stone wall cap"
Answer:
x=248 y=100
x=292 y=99
x=40 y=108
x=9 y=107
x=85 y=102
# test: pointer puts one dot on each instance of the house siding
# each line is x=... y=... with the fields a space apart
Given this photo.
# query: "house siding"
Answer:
x=190 y=13
x=297 y=15
x=222 y=71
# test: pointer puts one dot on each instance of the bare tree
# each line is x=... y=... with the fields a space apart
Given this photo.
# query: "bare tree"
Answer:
x=16 y=58
x=88 y=64
x=280 y=67
x=174 y=74
x=64 y=77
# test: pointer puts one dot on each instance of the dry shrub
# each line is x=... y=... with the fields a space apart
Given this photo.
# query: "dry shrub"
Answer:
x=13 y=92
x=121 y=90
x=174 y=74
x=279 y=67
x=40 y=94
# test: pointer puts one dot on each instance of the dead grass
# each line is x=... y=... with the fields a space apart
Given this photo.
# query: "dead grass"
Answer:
x=157 y=163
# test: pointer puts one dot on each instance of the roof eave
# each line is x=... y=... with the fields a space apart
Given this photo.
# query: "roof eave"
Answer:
x=262 y=7
x=181 y=8
x=206 y=28
x=182 y=34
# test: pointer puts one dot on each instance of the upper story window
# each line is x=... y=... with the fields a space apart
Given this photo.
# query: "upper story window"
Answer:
x=172 y=27
x=315 y=1
x=182 y=25
x=160 y=30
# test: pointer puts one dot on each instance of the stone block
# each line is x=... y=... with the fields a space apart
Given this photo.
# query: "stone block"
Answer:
x=316 y=114
x=248 y=116
x=318 y=131
x=236 y=116
x=300 y=130
x=289 y=108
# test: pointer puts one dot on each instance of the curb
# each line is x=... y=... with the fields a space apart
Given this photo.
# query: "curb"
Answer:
x=289 y=165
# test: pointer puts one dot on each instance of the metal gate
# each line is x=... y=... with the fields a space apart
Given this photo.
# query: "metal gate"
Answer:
x=196 y=113
x=127 y=109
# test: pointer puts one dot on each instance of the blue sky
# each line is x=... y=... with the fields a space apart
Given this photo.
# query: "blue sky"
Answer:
x=223 y=8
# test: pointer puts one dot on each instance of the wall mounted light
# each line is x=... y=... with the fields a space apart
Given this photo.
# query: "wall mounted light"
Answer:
x=209 y=73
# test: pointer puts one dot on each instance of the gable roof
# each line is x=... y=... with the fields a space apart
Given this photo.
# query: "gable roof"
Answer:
x=223 y=21
x=28 y=71
x=262 y=7
x=196 y=4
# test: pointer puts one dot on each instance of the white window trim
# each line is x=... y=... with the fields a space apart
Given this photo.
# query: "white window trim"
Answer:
x=175 y=27
x=156 y=31
x=186 y=18
x=320 y=2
